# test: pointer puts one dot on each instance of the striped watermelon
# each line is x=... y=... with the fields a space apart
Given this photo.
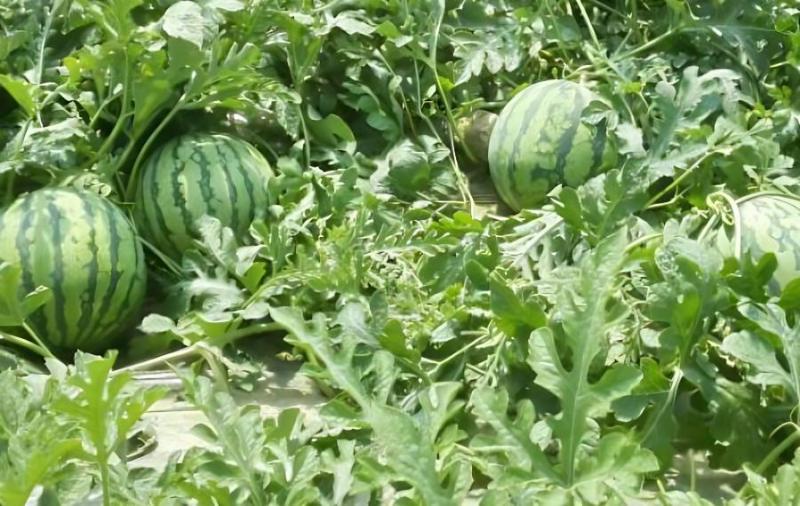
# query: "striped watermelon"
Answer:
x=86 y=251
x=200 y=174
x=539 y=142
x=766 y=223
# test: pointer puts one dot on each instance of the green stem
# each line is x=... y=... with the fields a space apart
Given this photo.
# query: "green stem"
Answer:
x=461 y=181
x=130 y=191
x=589 y=25
x=461 y=351
x=24 y=343
x=668 y=402
x=667 y=203
x=642 y=240
x=678 y=180
x=776 y=452
x=406 y=107
x=35 y=337
x=647 y=45
x=195 y=348
x=118 y=126
x=297 y=82
x=565 y=58
x=105 y=480
x=167 y=261
x=39 y=69
x=9 y=187
x=306 y=137
x=662 y=493
x=217 y=369
x=634 y=20
x=490 y=378
x=101 y=109
x=431 y=127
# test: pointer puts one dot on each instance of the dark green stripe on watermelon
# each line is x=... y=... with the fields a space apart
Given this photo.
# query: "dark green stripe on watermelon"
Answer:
x=87 y=302
x=23 y=252
x=57 y=287
x=233 y=193
x=161 y=229
x=240 y=167
x=177 y=198
x=206 y=190
x=565 y=141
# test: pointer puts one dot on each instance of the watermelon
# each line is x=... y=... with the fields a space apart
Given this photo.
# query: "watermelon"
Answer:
x=199 y=174
x=475 y=130
x=540 y=140
x=84 y=249
x=765 y=223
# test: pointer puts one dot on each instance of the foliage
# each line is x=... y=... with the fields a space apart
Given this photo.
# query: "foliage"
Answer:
x=576 y=353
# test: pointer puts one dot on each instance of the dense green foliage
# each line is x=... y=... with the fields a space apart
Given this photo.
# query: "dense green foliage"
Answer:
x=86 y=253
x=598 y=347
x=541 y=140
x=198 y=175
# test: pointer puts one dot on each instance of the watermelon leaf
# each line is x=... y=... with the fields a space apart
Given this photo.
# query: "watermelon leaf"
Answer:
x=513 y=315
x=401 y=439
x=13 y=311
x=236 y=431
x=105 y=408
x=585 y=324
x=184 y=20
x=36 y=445
x=511 y=437
x=396 y=434
x=21 y=92
x=689 y=296
x=757 y=352
x=765 y=369
x=466 y=353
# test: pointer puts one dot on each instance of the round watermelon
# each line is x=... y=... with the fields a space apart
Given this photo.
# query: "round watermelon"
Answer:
x=195 y=175
x=84 y=249
x=766 y=223
x=540 y=140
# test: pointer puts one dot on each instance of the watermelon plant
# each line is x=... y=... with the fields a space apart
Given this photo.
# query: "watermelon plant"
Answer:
x=542 y=139
x=87 y=253
x=199 y=174
x=318 y=189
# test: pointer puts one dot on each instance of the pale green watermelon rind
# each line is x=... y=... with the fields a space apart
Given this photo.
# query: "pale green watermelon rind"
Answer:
x=768 y=223
x=540 y=141
x=200 y=174
x=84 y=249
